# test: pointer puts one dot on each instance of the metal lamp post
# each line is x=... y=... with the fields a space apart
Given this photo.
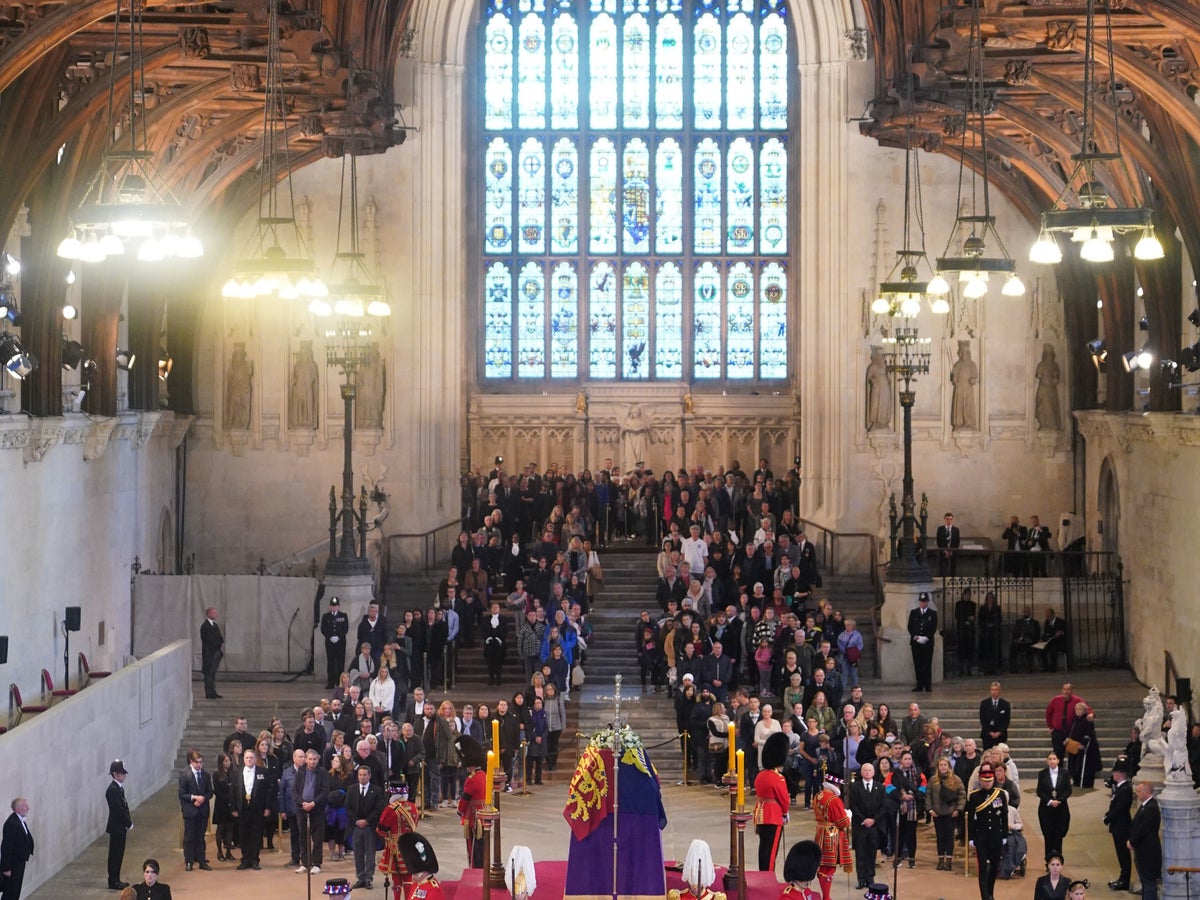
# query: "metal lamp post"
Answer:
x=907 y=358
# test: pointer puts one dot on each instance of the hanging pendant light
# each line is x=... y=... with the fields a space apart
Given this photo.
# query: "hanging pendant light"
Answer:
x=972 y=232
x=280 y=264
x=1085 y=208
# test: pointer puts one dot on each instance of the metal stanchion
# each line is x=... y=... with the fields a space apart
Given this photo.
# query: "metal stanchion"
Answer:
x=684 y=735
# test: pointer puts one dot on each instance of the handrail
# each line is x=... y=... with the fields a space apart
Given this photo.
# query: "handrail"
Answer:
x=427 y=559
x=834 y=534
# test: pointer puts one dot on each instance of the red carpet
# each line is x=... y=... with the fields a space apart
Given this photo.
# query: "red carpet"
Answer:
x=552 y=877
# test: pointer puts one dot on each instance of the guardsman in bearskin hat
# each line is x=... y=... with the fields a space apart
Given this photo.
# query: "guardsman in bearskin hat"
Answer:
x=422 y=864
x=472 y=799
x=399 y=817
x=698 y=875
x=833 y=832
x=799 y=869
x=771 y=810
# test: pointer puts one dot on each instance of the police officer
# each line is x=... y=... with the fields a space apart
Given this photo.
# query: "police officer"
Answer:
x=335 y=625
x=987 y=828
x=922 y=628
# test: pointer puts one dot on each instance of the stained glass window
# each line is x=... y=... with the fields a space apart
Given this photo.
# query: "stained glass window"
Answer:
x=635 y=190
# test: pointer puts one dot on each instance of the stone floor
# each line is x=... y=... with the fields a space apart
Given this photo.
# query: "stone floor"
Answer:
x=537 y=821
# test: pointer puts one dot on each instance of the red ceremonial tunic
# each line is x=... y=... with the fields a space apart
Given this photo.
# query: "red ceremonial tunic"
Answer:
x=833 y=827
x=796 y=892
x=397 y=818
x=469 y=804
x=686 y=894
x=773 y=799
x=429 y=889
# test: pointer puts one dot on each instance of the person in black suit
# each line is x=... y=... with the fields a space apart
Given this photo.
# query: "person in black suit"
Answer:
x=1144 y=840
x=151 y=888
x=922 y=628
x=1054 y=636
x=994 y=715
x=987 y=828
x=16 y=848
x=195 y=792
x=1054 y=815
x=335 y=625
x=868 y=807
x=948 y=541
x=212 y=644
x=373 y=630
x=251 y=790
x=1037 y=542
x=806 y=556
x=364 y=803
x=119 y=823
x=1118 y=820
x=1014 y=538
x=310 y=791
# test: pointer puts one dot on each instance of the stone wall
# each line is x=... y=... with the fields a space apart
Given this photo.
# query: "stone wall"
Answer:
x=136 y=715
x=1147 y=465
x=81 y=498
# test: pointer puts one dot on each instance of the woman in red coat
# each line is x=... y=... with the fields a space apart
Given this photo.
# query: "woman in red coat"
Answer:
x=771 y=810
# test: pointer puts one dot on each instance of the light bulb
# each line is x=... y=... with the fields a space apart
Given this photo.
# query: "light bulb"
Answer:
x=939 y=306
x=379 y=308
x=13 y=265
x=70 y=248
x=1148 y=246
x=910 y=306
x=69 y=311
x=287 y=292
x=191 y=248
x=938 y=285
x=1045 y=250
x=70 y=276
x=92 y=251
x=170 y=244
x=1013 y=286
x=150 y=250
x=230 y=288
x=976 y=286
x=112 y=245
x=880 y=306
x=320 y=307
x=1096 y=250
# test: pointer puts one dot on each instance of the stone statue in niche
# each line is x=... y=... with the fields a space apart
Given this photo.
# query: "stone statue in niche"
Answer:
x=635 y=437
x=368 y=407
x=879 y=392
x=302 y=398
x=964 y=414
x=1046 y=407
x=238 y=390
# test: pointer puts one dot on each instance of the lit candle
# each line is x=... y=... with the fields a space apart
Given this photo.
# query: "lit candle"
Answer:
x=496 y=736
x=491 y=772
x=732 y=747
x=741 y=779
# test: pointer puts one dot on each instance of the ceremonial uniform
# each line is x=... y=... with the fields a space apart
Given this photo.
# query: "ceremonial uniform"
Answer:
x=686 y=894
x=770 y=815
x=833 y=837
x=428 y=889
x=987 y=828
x=398 y=817
x=796 y=892
x=469 y=804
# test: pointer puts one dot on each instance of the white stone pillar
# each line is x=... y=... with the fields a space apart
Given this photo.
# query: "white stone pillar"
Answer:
x=1180 y=807
x=895 y=655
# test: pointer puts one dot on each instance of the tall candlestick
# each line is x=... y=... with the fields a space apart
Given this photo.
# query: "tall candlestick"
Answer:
x=496 y=737
x=741 y=779
x=732 y=747
x=491 y=774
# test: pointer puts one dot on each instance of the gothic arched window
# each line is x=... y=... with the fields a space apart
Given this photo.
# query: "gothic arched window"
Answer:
x=635 y=190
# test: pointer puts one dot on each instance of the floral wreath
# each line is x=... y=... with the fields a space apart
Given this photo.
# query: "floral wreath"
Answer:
x=632 y=750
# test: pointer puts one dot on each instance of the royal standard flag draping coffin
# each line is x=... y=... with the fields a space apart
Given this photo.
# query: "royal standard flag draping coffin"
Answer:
x=640 y=820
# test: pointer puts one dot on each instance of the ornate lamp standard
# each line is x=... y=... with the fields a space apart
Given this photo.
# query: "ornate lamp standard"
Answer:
x=348 y=350
x=907 y=358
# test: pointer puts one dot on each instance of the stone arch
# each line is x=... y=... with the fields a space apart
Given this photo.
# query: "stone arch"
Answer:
x=443 y=29
x=1108 y=505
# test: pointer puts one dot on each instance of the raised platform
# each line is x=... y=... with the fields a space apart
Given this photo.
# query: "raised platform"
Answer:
x=552 y=879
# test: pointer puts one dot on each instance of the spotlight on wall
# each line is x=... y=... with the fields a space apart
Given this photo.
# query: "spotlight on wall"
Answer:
x=12 y=265
x=1137 y=359
x=125 y=359
x=1099 y=351
x=70 y=276
x=69 y=311
x=72 y=354
x=1189 y=357
x=13 y=357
